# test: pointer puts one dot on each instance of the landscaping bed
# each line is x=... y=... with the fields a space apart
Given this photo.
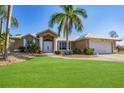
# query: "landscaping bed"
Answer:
x=17 y=58
x=80 y=56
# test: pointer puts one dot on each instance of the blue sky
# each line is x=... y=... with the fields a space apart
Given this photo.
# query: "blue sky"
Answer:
x=101 y=19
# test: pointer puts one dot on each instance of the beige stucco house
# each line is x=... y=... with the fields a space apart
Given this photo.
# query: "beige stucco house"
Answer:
x=49 y=41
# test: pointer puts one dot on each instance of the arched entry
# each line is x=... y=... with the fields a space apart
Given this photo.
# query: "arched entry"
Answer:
x=47 y=41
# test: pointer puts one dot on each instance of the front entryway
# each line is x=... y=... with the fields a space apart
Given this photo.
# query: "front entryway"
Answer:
x=47 y=46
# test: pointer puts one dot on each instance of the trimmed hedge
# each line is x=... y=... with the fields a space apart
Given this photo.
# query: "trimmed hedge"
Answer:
x=89 y=51
x=67 y=52
x=77 y=51
x=57 y=52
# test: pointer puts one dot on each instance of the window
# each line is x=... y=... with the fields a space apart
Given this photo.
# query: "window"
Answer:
x=12 y=41
x=28 y=42
x=62 y=45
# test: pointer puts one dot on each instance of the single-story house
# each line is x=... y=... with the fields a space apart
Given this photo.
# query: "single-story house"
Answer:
x=49 y=41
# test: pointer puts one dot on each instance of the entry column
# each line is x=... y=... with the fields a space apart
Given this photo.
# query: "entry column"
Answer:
x=41 y=43
x=55 y=44
x=24 y=42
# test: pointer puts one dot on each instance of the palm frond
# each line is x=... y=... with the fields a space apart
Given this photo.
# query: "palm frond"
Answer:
x=66 y=27
x=77 y=23
x=65 y=8
x=56 y=18
x=70 y=26
x=61 y=24
x=14 y=22
x=81 y=12
x=2 y=10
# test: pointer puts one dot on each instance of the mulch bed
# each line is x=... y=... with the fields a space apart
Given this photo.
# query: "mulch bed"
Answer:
x=80 y=56
x=17 y=58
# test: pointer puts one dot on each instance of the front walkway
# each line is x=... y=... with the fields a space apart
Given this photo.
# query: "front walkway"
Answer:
x=107 y=57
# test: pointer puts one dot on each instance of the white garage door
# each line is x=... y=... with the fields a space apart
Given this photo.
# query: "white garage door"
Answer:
x=101 y=47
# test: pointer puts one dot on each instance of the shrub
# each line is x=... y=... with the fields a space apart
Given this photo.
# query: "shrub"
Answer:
x=57 y=52
x=21 y=49
x=2 y=41
x=32 y=47
x=1 y=48
x=89 y=51
x=77 y=51
x=67 y=52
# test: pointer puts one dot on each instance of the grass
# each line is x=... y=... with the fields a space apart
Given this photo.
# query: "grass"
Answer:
x=65 y=73
x=121 y=52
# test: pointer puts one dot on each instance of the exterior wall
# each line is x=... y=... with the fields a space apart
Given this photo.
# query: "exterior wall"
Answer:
x=27 y=38
x=15 y=44
x=37 y=41
x=31 y=38
x=82 y=44
x=113 y=45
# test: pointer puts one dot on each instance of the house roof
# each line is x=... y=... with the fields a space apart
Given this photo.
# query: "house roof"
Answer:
x=33 y=35
x=86 y=36
x=92 y=36
x=48 y=30
x=16 y=37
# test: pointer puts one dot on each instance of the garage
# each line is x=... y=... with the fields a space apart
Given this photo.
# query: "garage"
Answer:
x=101 y=46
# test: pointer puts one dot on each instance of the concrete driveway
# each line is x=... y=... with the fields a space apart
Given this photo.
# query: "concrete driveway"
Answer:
x=112 y=57
x=107 y=57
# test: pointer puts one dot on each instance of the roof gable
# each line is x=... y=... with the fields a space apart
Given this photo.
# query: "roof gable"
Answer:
x=29 y=35
x=47 y=31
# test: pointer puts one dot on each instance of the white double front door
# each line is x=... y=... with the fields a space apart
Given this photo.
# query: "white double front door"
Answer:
x=47 y=46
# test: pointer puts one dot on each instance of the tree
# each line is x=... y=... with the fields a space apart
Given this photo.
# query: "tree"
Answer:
x=113 y=34
x=4 y=19
x=2 y=42
x=3 y=16
x=67 y=19
x=9 y=14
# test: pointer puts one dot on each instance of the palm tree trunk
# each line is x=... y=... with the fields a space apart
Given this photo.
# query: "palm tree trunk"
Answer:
x=7 y=31
x=67 y=42
x=1 y=25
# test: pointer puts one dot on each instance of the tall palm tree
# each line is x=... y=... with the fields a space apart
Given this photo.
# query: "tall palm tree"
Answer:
x=9 y=14
x=2 y=13
x=3 y=16
x=68 y=19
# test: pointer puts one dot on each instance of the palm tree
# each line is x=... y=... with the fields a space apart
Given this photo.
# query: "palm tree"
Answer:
x=9 y=14
x=67 y=19
x=3 y=15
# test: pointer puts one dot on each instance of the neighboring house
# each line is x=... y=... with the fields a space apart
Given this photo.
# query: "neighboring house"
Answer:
x=49 y=41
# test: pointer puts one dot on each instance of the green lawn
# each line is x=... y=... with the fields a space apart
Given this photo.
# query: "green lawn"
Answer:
x=121 y=52
x=53 y=72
